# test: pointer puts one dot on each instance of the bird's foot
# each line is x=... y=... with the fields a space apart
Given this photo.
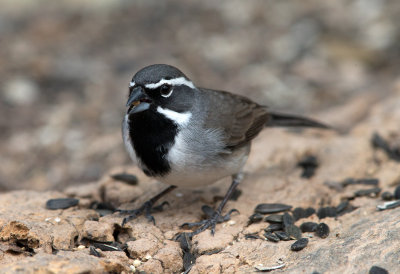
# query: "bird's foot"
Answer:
x=147 y=208
x=213 y=218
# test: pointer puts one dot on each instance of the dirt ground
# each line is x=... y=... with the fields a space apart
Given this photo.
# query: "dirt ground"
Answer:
x=64 y=75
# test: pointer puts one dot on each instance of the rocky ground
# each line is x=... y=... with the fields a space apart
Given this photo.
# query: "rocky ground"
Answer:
x=37 y=240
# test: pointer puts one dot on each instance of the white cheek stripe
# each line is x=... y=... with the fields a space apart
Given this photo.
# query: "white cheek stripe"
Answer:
x=132 y=84
x=173 y=82
x=180 y=119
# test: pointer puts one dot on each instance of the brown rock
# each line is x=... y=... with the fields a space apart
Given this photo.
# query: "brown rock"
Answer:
x=170 y=257
x=98 y=231
x=118 y=192
x=142 y=247
x=208 y=243
x=151 y=266
x=64 y=237
x=216 y=263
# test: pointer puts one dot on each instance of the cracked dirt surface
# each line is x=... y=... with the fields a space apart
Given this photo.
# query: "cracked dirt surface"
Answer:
x=37 y=240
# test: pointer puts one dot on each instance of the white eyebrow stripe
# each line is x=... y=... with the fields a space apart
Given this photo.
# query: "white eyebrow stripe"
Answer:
x=173 y=82
x=180 y=119
x=132 y=84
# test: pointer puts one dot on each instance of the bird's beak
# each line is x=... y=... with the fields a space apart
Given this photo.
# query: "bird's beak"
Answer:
x=138 y=101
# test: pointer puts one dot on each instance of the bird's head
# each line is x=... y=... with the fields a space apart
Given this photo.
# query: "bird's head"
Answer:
x=160 y=88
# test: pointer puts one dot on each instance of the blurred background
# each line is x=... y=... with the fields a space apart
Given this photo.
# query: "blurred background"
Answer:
x=65 y=67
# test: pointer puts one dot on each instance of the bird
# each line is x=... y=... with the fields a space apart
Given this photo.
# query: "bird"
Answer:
x=190 y=137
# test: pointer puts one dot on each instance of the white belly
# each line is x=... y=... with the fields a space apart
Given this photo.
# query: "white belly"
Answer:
x=191 y=168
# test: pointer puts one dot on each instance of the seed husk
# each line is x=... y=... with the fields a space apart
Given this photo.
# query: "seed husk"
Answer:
x=62 y=203
x=372 y=192
x=299 y=244
x=94 y=252
x=273 y=227
x=377 y=270
x=389 y=205
x=322 y=230
x=299 y=213
x=275 y=218
x=293 y=231
x=387 y=196
x=363 y=181
x=287 y=219
x=309 y=163
x=397 y=193
x=252 y=236
x=255 y=218
x=271 y=208
x=328 y=211
x=271 y=237
x=308 y=227
x=129 y=179
x=282 y=235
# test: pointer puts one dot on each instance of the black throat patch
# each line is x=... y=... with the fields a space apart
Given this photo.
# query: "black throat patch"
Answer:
x=152 y=136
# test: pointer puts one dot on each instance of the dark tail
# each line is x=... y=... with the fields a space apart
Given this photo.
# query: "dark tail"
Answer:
x=287 y=120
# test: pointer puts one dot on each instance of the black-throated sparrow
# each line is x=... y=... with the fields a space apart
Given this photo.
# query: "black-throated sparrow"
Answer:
x=187 y=136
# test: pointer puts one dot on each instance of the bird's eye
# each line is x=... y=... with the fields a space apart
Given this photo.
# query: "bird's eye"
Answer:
x=165 y=90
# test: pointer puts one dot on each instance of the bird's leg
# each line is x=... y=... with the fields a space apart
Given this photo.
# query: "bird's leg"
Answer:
x=215 y=217
x=147 y=207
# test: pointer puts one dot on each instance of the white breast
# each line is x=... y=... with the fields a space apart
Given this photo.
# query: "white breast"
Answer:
x=197 y=159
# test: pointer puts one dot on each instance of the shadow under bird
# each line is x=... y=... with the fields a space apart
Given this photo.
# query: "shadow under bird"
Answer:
x=187 y=136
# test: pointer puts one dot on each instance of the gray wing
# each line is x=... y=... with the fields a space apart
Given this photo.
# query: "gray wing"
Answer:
x=239 y=118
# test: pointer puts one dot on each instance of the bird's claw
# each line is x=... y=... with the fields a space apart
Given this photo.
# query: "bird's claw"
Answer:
x=213 y=219
x=147 y=208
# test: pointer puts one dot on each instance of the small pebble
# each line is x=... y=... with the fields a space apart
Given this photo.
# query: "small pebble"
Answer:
x=282 y=235
x=231 y=222
x=132 y=268
x=137 y=263
x=81 y=247
x=308 y=227
x=293 y=231
x=328 y=211
x=271 y=237
x=57 y=219
x=377 y=270
x=147 y=257
x=271 y=208
x=275 y=218
x=255 y=218
x=322 y=230
x=372 y=192
x=273 y=227
x=397 y=193
x=299 y=244
x=389 y=205
x=126 y=178
x=387 y=196
x=61 y=203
